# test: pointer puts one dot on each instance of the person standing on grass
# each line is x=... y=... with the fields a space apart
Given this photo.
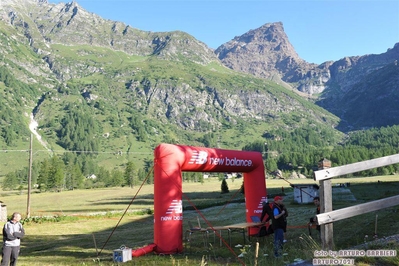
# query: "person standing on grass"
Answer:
x=316 y=201
x=285 y=222
x=278 y=225
x=12 y=234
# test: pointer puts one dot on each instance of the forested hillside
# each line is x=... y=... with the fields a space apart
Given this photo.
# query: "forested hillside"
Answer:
x=97 y=103
x=300 y=149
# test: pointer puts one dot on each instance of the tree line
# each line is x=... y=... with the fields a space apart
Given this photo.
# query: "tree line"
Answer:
x=301 y=149
x=79 y=171
x=286 y=152
x=298 y=150
x=72 y=171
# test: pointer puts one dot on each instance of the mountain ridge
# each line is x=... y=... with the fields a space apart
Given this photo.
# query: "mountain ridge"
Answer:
x=135 y=89
x=264 y=52
x=327 y=83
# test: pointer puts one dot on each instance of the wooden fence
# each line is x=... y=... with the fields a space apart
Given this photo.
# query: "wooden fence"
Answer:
x=327 y=216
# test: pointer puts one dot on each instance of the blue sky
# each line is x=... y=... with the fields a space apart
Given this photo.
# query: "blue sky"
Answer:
x=319 y=30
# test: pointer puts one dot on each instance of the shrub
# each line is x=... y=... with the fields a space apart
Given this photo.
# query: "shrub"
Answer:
x=224 y=187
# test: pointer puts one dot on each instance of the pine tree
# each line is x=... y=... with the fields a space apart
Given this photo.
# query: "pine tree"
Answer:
x=129 y=173
x=10 y=181
x=225 y=187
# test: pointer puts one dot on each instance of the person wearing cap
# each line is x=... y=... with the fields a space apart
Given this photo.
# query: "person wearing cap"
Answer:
x=278 y=225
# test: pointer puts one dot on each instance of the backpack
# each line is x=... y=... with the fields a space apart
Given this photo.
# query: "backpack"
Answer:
x=267 y=210
x=266 y=230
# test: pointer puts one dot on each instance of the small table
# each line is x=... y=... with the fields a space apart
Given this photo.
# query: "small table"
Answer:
x=232 y=227
x=220 y=229
x=245 y=226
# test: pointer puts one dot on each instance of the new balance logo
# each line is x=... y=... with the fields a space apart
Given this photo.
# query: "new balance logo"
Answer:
x=174 y=212
x=175 y=207
x=262 y=200
x=199 y=157
x=260 y=206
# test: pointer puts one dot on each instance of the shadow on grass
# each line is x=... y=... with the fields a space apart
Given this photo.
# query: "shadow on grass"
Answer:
x=67 y=247
x=77 y=247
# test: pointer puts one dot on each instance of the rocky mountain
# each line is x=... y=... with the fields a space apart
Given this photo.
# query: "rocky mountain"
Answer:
x=264 y=52
x=371 y=102
x=43 y=24
x=267 y=53
x=84 y=83
x=96 y=84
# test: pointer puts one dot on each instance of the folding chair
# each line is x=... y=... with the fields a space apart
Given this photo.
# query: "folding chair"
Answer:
x=196 y=229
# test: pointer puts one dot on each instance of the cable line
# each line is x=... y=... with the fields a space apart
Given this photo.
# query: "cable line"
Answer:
x=131 y=202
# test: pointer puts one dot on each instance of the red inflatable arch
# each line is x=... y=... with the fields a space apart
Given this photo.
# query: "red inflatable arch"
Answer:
x=169 y=162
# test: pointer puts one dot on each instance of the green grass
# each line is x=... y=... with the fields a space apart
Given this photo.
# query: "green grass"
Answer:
x=87 y=219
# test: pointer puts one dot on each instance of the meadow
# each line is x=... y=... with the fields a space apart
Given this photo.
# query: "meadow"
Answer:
x=83 y=227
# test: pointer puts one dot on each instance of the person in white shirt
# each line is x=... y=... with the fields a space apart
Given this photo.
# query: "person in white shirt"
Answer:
x=12 y=234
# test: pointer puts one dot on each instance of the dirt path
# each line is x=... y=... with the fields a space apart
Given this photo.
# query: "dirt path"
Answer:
x=33 y=128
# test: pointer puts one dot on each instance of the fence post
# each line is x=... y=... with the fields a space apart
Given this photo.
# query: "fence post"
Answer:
x=327 y=241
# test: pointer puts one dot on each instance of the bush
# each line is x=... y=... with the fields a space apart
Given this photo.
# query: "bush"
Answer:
x=224 y=187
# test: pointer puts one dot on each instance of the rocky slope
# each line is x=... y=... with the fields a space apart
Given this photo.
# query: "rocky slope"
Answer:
x=264 y=52
x=43 y=24
x=137 y=86
x=267 y=53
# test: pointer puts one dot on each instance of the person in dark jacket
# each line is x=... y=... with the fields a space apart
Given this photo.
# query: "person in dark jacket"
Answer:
x=278 y=224
x=316 y=201
x=285 y=222
x=12 y=234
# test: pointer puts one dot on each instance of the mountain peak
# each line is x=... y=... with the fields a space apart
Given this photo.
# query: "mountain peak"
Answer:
x=264 y=52
x=268 y=31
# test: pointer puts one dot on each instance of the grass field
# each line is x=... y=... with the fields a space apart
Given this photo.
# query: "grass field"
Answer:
x=86 y=224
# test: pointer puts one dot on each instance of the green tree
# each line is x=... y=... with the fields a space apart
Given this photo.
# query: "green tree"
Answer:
x=56 y=176
x=130 y=172
x=137 y=124
x=10 y=182
x=103 y=177
x=224 y=187
x=78 y=131
x=141 y=174
x=271 y=165
x=9 y=135
x=148 y=166
x=209 y=140
x=44 y=173
x=117 y=178
x=73 y=177
x=78 y=177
